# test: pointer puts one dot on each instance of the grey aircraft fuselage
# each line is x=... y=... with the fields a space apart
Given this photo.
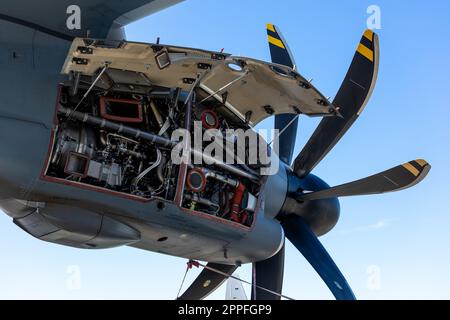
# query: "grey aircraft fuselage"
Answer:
x=34 y=42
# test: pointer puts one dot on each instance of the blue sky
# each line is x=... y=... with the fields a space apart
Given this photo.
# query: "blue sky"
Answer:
x=403 y=236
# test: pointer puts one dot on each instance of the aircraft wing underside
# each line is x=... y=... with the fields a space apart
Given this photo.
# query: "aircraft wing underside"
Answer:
x=99 y=18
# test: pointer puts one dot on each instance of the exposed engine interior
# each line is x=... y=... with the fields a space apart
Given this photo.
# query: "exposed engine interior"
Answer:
x=118 y=137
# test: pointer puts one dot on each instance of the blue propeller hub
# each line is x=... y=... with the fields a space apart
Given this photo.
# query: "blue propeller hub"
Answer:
x=320 y=215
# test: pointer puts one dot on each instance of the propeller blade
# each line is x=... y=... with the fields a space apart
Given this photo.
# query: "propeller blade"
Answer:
x=268 y=274
x=281 y=54
x=279 y=49
x=207 y=282
x=235 y=289
x=286 y=140
x=303 y=238
x=351 y=99
x=395 y=179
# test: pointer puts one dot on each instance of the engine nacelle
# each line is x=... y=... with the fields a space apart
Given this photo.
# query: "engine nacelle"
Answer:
x=69 y=226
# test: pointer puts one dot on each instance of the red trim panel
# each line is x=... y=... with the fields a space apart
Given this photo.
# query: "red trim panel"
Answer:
x=133 y=104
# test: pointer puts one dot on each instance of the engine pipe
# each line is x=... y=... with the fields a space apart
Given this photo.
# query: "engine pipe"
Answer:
x=218 y=177
x=236 y=203
x=203 y=201
x=150 y=137
x=157 y=114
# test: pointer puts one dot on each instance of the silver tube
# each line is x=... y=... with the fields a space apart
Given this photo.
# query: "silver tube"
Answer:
x=157 y=114
x=160 y=169
x=203 y=201
x=218 y=177
x=224 y=166
x=229 y=84
x=91 y=87
x=76 y=84
x=148 y=170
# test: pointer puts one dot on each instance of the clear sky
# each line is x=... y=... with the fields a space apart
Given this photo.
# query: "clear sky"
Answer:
x=392 y=246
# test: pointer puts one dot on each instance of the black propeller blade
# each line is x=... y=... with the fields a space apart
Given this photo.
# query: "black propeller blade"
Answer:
x=395 y=179
x=268 y=274
x=207 y=282
x=351 y=99
x=286 y=141
x=281 y=54
x=302 y=237
x=279 y=50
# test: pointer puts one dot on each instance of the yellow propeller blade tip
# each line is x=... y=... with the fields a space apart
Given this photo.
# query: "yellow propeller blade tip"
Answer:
x=271 y=27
